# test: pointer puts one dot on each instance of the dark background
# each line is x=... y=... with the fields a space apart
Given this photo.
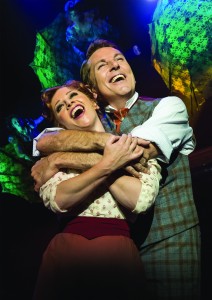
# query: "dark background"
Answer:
x=21 y=19
x=26 y=228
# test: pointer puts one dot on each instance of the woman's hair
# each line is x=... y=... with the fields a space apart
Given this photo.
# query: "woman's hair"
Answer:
x=48 y=94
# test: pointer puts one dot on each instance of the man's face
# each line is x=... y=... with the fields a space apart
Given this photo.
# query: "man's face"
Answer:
x=112 y=75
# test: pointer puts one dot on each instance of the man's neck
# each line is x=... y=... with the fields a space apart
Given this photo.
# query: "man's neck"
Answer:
x=121 y=103
x=118 y=104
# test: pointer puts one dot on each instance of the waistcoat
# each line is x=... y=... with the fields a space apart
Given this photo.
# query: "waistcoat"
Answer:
x=174 y=210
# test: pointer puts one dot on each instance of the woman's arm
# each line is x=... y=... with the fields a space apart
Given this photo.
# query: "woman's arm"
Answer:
x=137 y=195
x=117 y=153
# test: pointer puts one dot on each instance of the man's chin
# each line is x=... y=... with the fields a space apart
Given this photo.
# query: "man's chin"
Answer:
x=125 y=91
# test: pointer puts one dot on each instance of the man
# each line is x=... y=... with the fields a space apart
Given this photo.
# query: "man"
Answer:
x=168 y=236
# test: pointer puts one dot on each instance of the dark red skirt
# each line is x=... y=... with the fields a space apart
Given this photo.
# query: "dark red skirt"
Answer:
x=92 y=227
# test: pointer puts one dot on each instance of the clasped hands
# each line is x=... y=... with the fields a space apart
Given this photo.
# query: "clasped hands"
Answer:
x=47 y=166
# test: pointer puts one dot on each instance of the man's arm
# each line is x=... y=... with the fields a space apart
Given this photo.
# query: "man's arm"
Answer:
x=117 y=153
x=48 y=166
x=72 y=140
x=168 y=128
x=81 y=141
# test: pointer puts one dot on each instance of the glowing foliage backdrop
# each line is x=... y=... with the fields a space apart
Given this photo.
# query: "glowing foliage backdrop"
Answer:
x=60 y=47
x=182 y=48
x=16 y=160
x=59 y=52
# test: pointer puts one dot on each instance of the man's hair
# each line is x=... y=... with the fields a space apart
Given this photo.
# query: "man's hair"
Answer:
x=97 y=44
x=93 y=47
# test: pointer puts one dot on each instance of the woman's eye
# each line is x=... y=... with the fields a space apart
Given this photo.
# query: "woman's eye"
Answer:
x=59 y=107
x=71 y=95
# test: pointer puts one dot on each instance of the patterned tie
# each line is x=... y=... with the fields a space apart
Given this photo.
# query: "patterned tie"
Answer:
x=118 y=116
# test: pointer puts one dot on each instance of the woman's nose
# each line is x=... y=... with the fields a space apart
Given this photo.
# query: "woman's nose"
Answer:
x=68 y=104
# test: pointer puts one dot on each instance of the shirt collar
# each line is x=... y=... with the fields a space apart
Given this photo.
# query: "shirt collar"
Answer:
x=128 y=104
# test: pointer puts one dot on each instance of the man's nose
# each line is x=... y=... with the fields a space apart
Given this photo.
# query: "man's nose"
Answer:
x=114 y=65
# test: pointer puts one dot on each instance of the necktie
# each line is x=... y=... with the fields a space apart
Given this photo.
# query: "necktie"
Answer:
x=118 y=116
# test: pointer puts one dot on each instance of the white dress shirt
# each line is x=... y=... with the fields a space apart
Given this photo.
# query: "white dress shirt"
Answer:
x=168 y=127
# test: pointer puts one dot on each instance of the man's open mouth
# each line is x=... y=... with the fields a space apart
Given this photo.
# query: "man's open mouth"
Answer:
x=117 y=78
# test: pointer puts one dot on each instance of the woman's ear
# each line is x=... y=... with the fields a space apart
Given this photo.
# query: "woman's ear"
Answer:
x=96 y=106
x=94 y=95
x=92 y=90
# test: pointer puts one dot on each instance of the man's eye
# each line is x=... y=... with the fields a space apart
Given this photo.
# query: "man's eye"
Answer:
x=100 y=66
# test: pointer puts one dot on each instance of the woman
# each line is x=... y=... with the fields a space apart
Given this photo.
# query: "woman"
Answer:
x=94 y=257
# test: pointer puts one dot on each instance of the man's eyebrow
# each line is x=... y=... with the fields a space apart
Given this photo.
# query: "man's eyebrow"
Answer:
x=99 y=61
x=104 y=60
x=119 y=53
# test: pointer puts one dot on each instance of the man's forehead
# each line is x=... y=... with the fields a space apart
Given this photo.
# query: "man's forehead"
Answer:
x=102 y=54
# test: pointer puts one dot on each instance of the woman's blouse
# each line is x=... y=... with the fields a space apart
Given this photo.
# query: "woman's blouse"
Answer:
x=101 y=203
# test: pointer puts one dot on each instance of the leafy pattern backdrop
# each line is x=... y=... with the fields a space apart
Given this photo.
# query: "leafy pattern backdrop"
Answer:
x=181 y=44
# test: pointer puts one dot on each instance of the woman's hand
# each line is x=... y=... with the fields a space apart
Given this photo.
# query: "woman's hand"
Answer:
x=119 y=151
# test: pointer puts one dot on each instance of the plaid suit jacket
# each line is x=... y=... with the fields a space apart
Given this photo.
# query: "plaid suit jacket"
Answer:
x=174 y=210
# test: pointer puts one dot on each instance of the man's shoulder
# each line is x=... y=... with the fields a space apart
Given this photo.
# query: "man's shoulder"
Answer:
x=148 y=102
x=149 y=99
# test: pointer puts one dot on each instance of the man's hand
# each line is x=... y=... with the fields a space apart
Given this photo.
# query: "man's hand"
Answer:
x=42 y=171
x=150 y=150
x=45 y=168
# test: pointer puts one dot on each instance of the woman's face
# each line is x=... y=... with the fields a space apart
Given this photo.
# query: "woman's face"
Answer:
x=74 y=110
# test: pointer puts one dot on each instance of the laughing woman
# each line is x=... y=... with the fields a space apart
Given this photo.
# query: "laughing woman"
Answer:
x=94 y=256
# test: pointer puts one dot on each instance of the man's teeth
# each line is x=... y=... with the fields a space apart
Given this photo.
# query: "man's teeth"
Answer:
x=117 y=78
x=77 y=111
